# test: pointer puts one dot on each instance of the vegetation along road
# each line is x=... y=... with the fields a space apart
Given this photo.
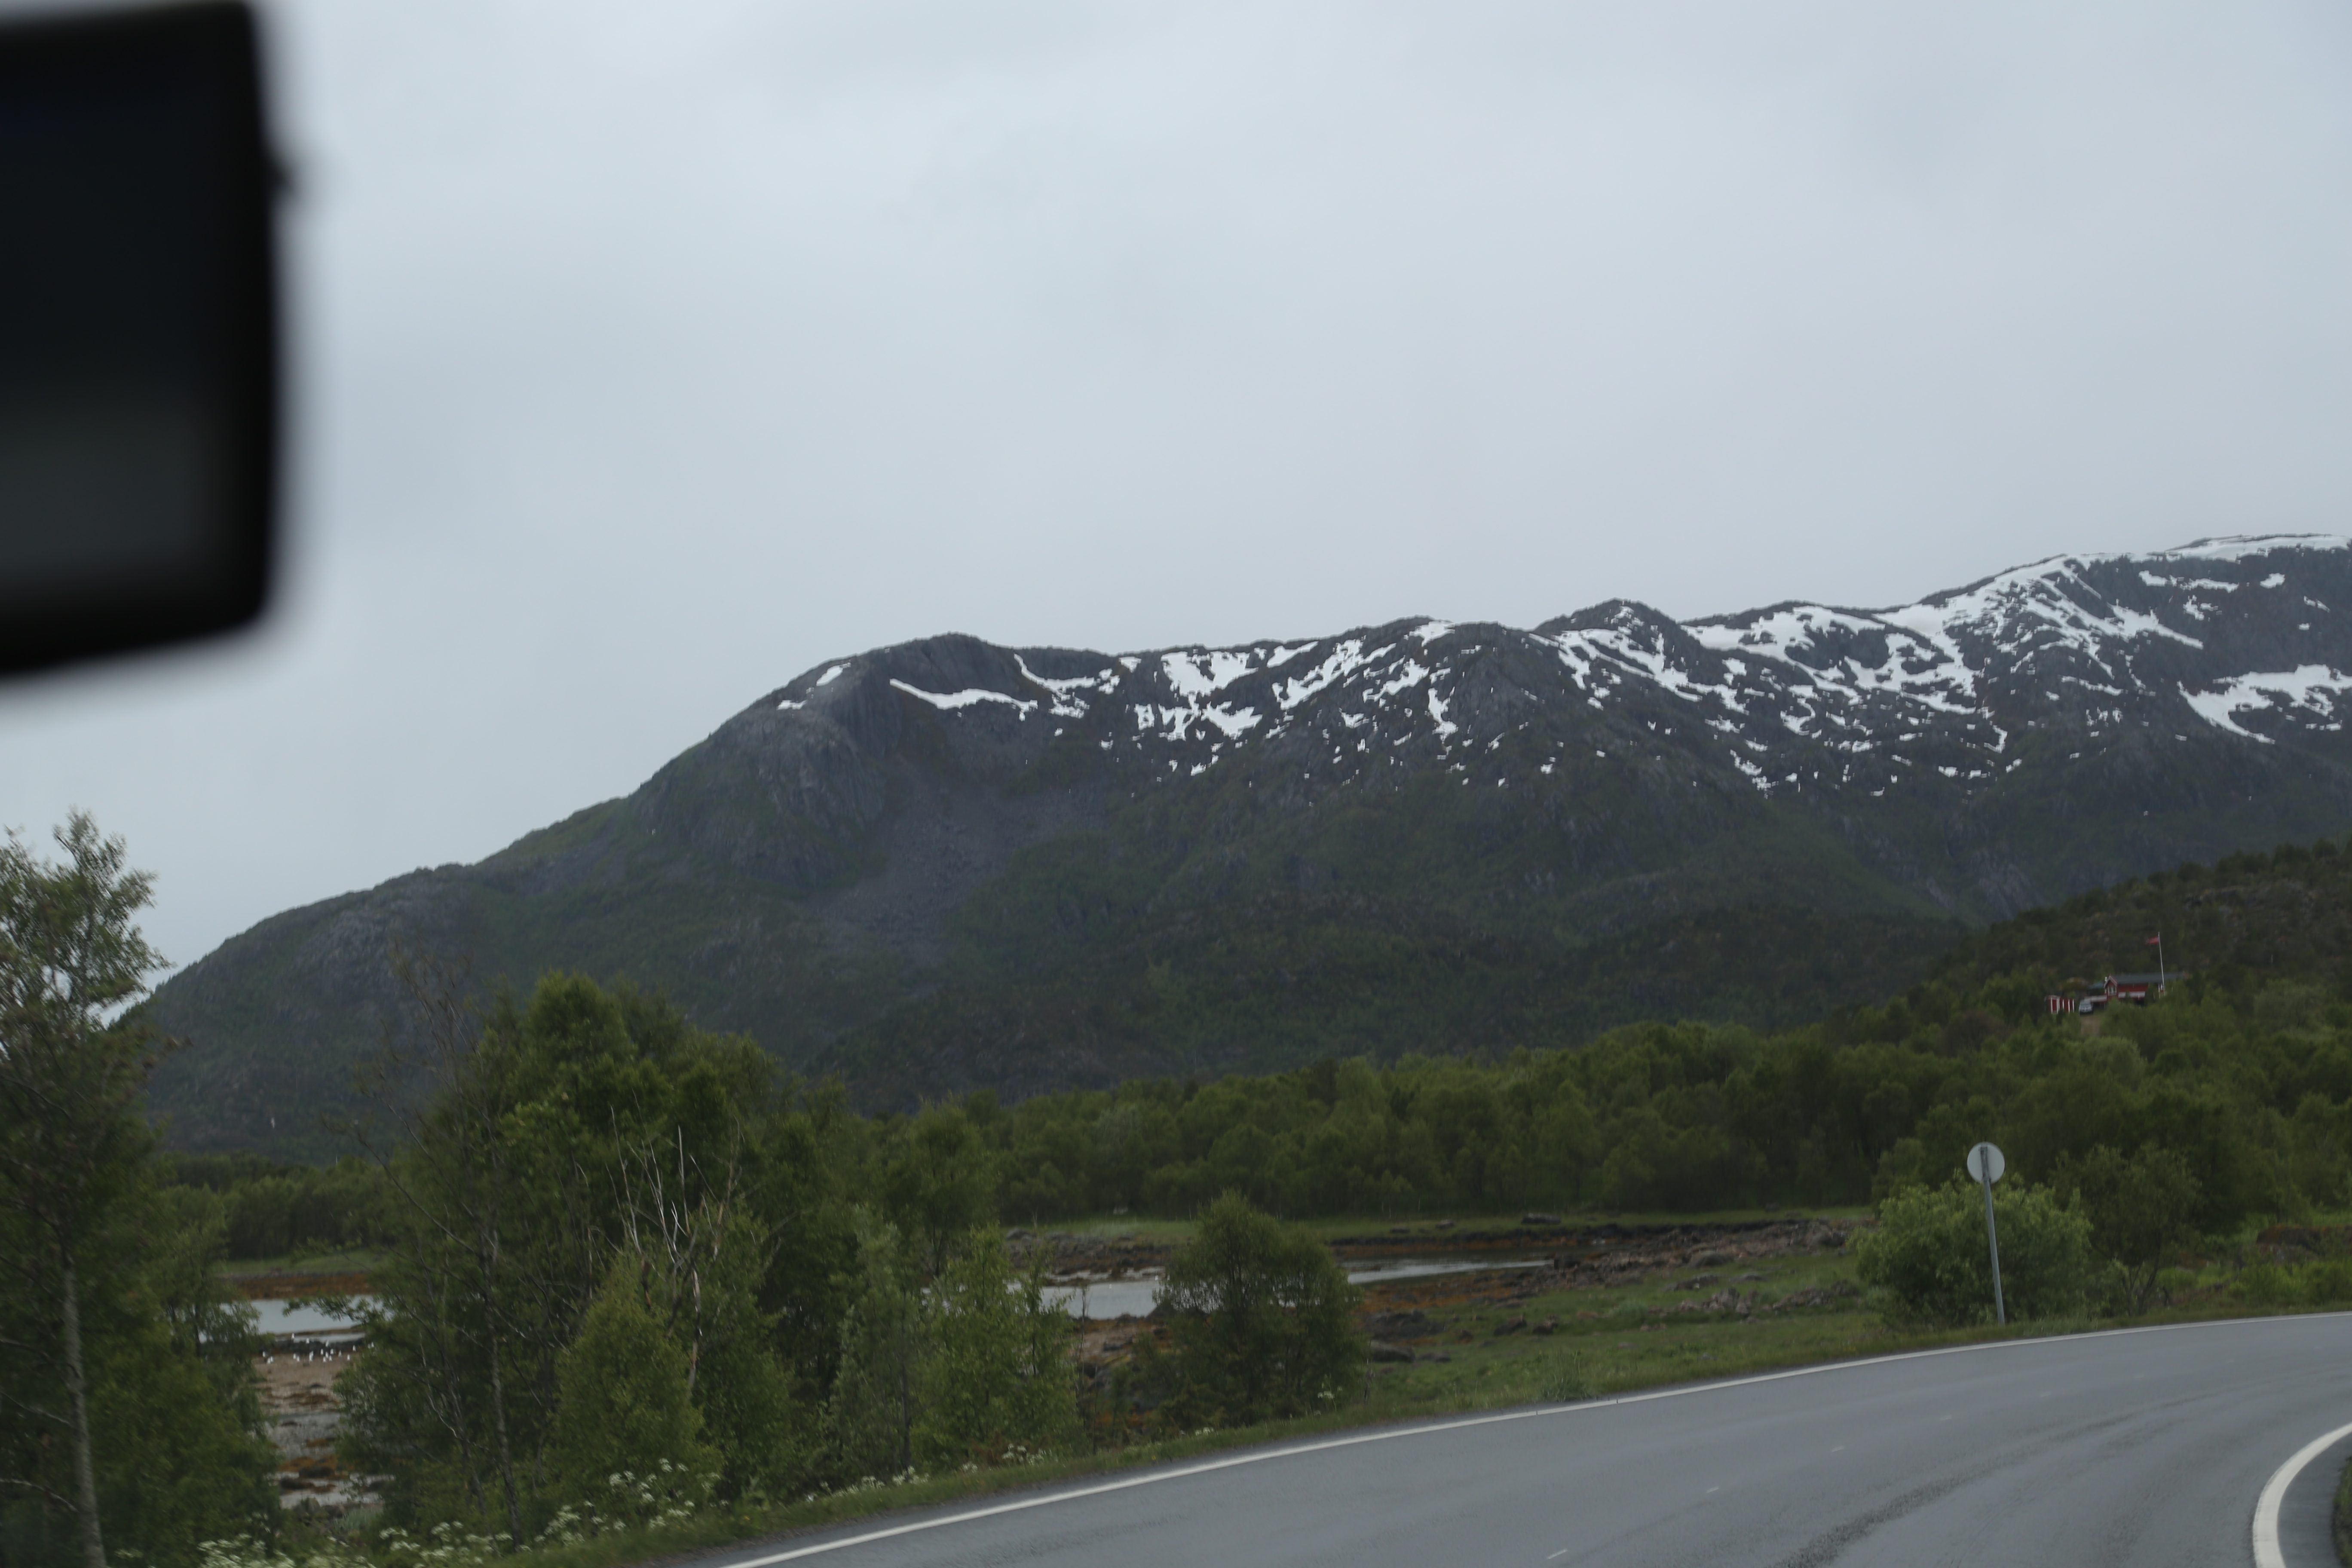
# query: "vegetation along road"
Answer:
x=626 y=1289
x=2145 y=1447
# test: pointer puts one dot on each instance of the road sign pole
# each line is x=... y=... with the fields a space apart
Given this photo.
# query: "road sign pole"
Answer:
x=1985 y=1163
x=1992 y=1239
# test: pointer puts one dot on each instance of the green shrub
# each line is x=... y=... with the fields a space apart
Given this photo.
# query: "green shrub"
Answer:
x=2321 y=1282
x=1926 y=1264
x=745 y=1393
x=2109 y=1291
x=1264 y=1319
x=999 y=1380
x=2328 y=1282
x=2265 y=1285
x=625 y=1406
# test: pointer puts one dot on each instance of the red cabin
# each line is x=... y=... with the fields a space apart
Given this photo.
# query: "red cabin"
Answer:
x=2113 y=989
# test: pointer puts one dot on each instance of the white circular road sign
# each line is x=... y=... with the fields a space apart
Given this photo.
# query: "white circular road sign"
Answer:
x=1985 y=1163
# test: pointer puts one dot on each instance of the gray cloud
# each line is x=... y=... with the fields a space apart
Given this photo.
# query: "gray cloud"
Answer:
x=652 y=353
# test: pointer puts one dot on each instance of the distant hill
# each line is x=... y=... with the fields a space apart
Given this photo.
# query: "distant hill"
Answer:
x=947 y=865
x=2249 y=919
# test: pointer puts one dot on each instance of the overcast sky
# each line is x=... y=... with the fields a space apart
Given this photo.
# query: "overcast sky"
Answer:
x=649 y=353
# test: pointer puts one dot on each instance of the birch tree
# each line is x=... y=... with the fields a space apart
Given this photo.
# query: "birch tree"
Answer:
x=71 y=1141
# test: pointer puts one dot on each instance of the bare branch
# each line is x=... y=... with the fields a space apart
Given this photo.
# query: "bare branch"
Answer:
x=64 y=1502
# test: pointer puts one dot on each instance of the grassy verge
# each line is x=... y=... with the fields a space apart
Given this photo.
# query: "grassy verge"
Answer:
x=1517 y=1374
x=2341 y=1521
x=1603 y=1340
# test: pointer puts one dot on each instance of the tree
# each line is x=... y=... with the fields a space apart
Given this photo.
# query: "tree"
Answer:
x=1928 y=1262
x=589 y=1134
x=2139 y=1207
x=72 y=1143
x=999 y=1376
x=1263 y=1318
x=454 y=1178
x=938 y=1183
x=882 y=1350
x=700 y=1270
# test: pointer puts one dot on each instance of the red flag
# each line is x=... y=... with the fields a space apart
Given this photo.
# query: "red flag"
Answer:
x=2153 y=940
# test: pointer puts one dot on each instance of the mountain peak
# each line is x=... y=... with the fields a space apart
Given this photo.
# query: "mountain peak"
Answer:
x=932 y=841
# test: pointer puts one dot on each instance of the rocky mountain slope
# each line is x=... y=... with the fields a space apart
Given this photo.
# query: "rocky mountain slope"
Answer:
x=947 y=865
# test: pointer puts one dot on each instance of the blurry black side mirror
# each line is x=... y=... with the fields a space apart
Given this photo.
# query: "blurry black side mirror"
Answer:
x=139 y=346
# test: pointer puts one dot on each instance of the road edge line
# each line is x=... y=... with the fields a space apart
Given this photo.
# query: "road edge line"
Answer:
x=2266 y=1507
x=1683 y=1390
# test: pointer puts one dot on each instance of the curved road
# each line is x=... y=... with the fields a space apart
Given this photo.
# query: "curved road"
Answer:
x=2143 y=1447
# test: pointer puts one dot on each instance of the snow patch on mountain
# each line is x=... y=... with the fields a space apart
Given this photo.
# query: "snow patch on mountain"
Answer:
x=1792 y=696
x=1341 y=663
x=2313 y=687
x=2237 y=547
x=949 y=701
x=1067 y=696
x=1195 y=675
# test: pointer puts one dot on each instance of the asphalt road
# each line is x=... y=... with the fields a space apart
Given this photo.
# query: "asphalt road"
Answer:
x=2148 y=1447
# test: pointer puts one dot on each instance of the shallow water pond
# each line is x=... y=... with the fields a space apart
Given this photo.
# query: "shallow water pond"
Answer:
x=1131 y=1295
x=305 y=1318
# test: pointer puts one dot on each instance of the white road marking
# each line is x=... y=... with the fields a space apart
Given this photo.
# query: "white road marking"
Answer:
x=2266 y=1511
x=1261 y=1455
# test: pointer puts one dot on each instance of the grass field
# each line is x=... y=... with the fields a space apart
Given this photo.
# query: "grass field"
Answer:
x=297 y=1265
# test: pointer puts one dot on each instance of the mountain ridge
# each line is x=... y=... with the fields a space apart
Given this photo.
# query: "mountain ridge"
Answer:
x=946 y=818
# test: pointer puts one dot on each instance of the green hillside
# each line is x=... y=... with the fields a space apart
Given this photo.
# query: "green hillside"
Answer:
x=2238 y=1083
x=2249 y=918
x=1284 y=982
x=948 y=865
